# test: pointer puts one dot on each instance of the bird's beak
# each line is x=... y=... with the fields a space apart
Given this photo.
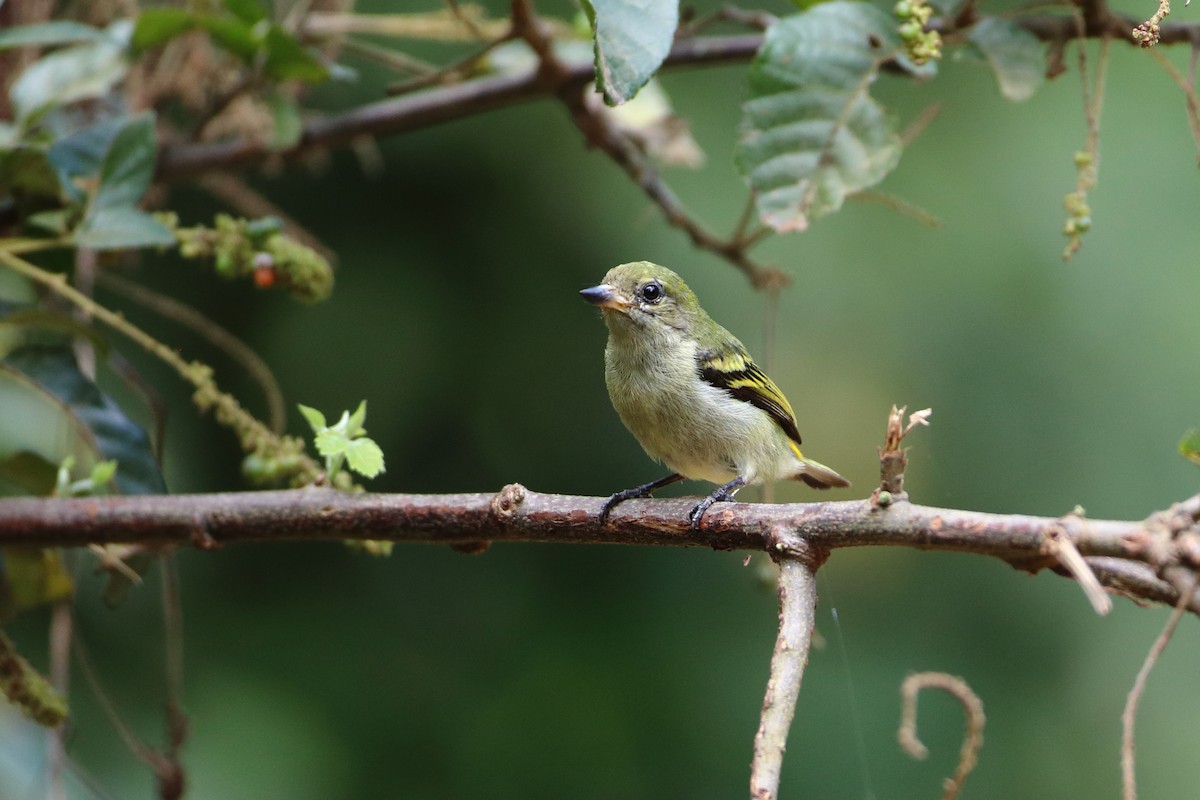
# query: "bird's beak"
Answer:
x=605 y=296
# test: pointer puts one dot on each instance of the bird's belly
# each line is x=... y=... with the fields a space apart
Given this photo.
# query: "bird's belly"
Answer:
x=701 y=432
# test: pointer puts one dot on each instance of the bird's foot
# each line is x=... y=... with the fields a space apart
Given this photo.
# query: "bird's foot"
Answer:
x=645 y=490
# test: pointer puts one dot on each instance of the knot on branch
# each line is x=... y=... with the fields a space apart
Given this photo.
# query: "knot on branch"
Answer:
x=507 y=501
x=784 y=544
x=973 y=734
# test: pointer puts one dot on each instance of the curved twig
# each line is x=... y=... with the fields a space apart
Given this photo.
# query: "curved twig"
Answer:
x=972 y=736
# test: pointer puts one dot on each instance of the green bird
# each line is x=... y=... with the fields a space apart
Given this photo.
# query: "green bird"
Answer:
x=689 y=392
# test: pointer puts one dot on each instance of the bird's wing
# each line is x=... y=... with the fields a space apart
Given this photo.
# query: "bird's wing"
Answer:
x=733 y=371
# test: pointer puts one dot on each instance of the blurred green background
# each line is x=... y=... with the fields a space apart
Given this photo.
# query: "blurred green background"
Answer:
x=606 y=672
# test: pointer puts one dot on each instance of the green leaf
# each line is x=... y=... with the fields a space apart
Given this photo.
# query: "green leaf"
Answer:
x=330 y=442
x=315 y=419
x=811 y=133
x=67 y=75
x=1189 y=446
x=287 y=58
x=128 y=166
x=1016 y=56
x=122 y=228
x=364 y=457
x=632 y=39
x=234 y=35
x=354 y=425
x=31 y=577
x=81 y=153
x=26 y=172
x=85 y=423
x=156 y=26
x=49 y=34
x=287 y=126
x=248 y=11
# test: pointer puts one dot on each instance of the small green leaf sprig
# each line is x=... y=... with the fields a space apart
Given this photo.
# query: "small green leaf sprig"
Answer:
x=921 y=45
x=345 y=442
x=101 y=474
x=256 y=248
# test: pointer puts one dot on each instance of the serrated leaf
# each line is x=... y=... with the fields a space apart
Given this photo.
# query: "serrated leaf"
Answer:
x=287 y=58
x=330 y=442
x=100 y=427
x=314 y=418
x=128 y=165
x=632 y=39
x=122 y=228
x=67 y=75
x=1189 y=446
x=49 y=34
x=1016 y=56
x=811 y=133
x=156 y=26
x=364 y=457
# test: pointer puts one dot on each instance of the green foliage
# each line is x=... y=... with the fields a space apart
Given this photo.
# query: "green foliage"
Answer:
x=346 y=440
x=1189 y=446
x=79 y=72
x=244 y=32
x=811 y=133
x=257 y=249
x=632 y=39
x=28 y=690
x=1015 y=55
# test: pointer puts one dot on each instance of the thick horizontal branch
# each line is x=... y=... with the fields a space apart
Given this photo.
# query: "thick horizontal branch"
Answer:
x=423 y=109
x=518 y=515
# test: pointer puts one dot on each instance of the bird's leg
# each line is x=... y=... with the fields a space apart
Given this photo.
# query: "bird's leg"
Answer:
x=645 y=490
x=722 y=494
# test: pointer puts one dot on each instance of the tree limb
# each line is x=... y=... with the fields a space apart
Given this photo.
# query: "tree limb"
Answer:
x=444 y=104
x=1168 y=541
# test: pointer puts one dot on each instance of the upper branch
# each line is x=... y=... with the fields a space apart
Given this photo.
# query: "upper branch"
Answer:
x=423 y=109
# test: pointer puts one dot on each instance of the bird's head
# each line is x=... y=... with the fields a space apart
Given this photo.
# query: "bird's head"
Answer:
x=642 y=294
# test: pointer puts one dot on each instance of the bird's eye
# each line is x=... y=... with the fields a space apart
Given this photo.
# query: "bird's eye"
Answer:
x=652 y=292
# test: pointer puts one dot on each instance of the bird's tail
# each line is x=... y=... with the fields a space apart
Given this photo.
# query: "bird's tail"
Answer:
x=819 y=476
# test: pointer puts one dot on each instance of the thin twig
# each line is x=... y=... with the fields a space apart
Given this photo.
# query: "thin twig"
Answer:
x=172 y=783
x=972 y=736
x=1187 y=85
x=1129 y=715
x=797 y=612
x=1060 y=547
x=62 y=623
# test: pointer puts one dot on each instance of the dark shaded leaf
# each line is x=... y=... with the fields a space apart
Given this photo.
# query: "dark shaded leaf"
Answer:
x=96 y=420
x=128 y=165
